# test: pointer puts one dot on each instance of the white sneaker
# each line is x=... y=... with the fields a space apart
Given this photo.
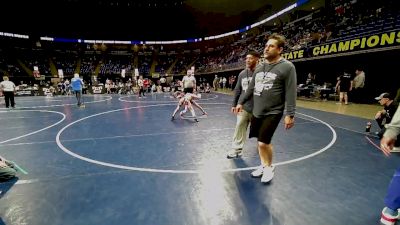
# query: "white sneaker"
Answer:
x=388 y=219
x=268 y=174
x=234 y=153
x=258 y=172
x=395 y=149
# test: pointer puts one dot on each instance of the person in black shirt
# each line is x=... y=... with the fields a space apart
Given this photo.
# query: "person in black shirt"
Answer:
x=272 y=88
x=344 y=85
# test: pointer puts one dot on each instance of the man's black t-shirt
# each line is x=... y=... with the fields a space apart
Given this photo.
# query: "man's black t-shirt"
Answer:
x=345 y=82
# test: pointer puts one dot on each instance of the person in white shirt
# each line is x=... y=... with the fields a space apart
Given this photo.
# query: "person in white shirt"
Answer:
x=163 y=83
x=8 y=89
x=141 y=86
x=224 y=82
x=189 y=83
x=358 y=86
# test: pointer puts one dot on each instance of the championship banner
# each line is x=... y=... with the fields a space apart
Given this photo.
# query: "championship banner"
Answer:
x=373 y=41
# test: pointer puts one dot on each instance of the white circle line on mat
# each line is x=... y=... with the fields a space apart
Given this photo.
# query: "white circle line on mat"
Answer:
x=35 y=132
x=66 y=150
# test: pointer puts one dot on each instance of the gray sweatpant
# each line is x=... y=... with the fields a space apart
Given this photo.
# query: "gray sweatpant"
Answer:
x=242 y=122
x=8 y=172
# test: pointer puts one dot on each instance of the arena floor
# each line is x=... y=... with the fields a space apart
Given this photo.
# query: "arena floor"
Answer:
x=121 y=160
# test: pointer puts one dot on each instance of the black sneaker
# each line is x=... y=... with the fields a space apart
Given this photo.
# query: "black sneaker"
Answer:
x=172 y=118
x=196 y=120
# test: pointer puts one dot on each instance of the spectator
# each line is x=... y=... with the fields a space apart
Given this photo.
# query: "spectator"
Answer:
x=8 y=89
x=358 y=86
x=224 y=82
x=344 y=85
x=385 y=115
x=216 y=82
x=163 y=83
x=77 y=85
x=310 y=79
x=140 y=86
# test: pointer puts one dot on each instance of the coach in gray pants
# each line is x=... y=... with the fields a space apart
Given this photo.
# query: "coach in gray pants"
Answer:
x=7 y=169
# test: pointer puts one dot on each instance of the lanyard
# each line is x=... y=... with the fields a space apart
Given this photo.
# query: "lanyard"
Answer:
x=271 y=67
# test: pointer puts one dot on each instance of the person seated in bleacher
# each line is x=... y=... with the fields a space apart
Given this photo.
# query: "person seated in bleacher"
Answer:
x=208 y=88
x=309 y=87
x=52 y=91
x=201 y=88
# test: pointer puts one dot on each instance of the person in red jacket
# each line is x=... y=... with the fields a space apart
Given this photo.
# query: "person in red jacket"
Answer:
x=146 y=85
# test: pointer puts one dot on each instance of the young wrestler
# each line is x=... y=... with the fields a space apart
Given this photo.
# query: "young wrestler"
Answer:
x=194 y=97
x=187 y=100
x=184 y=100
